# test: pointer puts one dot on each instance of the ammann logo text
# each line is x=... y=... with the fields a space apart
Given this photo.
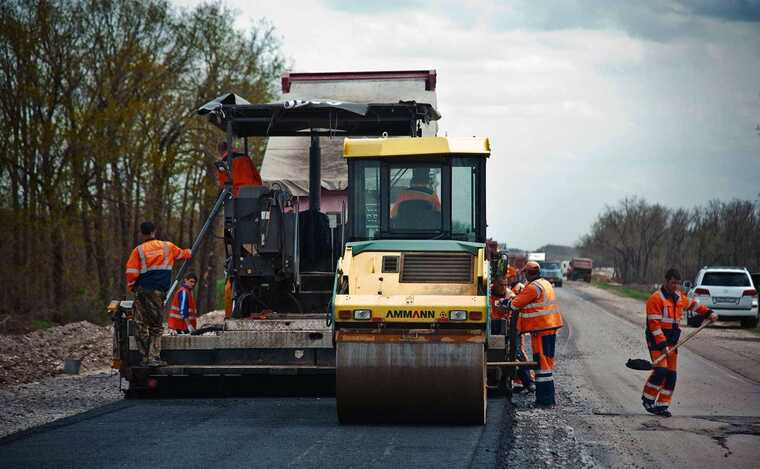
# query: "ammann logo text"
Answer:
x=406 y=314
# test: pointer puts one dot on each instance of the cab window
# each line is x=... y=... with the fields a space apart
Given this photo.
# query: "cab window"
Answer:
x=463 y=200
x=415 y=198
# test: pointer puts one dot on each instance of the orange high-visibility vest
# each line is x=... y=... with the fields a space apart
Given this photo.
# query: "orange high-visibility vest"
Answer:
x=539 y=309
x=182 y=301
x=416 y=193
x=150 y=264
x=244 y=173
x=666 y=313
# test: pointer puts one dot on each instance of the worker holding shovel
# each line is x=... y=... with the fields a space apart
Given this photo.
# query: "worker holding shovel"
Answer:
x=664 y=311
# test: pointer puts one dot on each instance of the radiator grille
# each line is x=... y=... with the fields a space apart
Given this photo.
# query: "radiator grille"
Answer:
x=443 y=267
x=390 y=264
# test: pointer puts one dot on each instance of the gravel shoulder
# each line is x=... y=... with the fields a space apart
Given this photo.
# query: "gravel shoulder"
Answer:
x=28 y=405
x=33 y=388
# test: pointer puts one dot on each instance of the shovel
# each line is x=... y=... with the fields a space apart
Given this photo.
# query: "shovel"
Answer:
x=644 y=365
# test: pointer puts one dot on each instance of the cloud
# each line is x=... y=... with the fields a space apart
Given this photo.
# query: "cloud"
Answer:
x=730 y=10
x=586 y=102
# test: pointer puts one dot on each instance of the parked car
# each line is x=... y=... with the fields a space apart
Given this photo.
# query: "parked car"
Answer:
x=552 y=272
x=729 y=291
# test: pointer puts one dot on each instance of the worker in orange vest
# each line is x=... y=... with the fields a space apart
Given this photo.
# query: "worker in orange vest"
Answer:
x=244 y=173
x=420 y=188
x=539 y=315
x=527 y=382
x=664 y=311
x=512 y=277
x=149 y=275
x=183 y=313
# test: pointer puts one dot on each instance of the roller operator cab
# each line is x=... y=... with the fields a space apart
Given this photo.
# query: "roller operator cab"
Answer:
x=411 y=302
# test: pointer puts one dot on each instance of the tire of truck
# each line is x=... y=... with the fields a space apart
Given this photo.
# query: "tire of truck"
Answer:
x=587 y=279
x=749 y=323
x=694 y=320
x=559 y=284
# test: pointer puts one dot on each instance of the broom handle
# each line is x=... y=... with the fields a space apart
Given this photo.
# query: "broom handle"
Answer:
x=705 y=323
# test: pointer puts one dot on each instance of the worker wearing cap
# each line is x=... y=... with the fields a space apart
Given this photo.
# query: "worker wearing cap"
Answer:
x=500 y=292
x=664 y=311
x=540 y=316
x=420 y=188
x=528 y=376
x=512 y=277
x=244 y=173
x=183 y=313
x=149 y=275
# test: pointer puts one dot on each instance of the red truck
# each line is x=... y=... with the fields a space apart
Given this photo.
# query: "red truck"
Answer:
x=580 y=268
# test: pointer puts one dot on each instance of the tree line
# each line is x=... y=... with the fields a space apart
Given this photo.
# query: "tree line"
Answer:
x=97 y=101
x=641 y=240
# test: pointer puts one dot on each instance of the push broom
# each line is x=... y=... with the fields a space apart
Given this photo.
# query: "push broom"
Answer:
x=644 y=365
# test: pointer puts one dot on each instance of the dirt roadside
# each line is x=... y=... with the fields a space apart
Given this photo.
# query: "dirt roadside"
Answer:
x=33 y=388
x=724 y=342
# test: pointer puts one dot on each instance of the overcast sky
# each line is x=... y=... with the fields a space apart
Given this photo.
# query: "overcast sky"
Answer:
x=586 y=102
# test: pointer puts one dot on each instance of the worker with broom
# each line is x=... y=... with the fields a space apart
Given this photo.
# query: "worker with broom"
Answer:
x=664 y=311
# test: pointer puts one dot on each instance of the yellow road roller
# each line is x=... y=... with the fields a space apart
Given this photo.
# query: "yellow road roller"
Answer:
x=411 y=293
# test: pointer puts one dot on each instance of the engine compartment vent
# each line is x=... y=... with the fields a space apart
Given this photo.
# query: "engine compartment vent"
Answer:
x=436 y=267
x=390 y=264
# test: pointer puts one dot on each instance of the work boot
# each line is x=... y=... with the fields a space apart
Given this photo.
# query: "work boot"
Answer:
x=154 y=350
x=652 y=408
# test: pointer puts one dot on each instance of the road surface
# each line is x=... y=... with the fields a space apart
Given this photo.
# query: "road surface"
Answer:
x=599 y=420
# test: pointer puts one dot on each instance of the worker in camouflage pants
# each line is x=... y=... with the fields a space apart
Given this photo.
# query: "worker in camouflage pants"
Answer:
x=149 y=274
x=149 y=317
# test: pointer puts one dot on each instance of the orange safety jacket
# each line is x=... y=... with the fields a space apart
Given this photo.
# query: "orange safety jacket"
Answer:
x=500 y=313
x=150 y=264
x=182 y=309
x=539 y=309
x=664 y=312
x=496 y=311
x=244 y=173
x=416 y=193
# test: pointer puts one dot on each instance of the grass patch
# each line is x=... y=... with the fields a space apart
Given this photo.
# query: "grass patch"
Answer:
x=38 y=324
x=219 y=293
x=622 y=290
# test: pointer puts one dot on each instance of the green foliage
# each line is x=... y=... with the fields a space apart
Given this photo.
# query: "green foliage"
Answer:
x=624 y=291
x=38 y=324
x=97 y=101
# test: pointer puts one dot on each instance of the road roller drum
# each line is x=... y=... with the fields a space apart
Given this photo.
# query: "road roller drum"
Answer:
x=393 y=379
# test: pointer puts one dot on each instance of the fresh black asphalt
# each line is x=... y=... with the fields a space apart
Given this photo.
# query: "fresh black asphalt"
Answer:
x=256 y=432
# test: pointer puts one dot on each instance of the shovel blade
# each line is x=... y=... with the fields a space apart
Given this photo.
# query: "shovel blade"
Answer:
x=639 y=364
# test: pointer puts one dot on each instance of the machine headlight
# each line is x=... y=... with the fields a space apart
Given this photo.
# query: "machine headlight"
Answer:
x=457 y=315
x=362 y=314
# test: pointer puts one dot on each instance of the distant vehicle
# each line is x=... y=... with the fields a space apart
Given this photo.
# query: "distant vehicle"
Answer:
x=537 y=256
x=552 y=272
x=729 y=291
x=580 y=268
